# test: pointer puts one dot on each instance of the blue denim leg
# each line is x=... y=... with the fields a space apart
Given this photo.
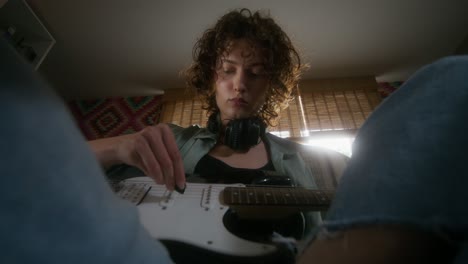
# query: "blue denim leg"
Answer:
x=410 y=160
x=56 y=206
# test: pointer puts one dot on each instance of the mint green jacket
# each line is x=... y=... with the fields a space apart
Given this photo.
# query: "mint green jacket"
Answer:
x=306 y=166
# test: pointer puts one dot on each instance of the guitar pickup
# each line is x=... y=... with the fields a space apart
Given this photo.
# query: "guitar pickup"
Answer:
x=207 y=197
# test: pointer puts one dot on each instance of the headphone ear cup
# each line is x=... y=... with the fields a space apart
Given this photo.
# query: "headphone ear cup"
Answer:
x=214 y=123
x=257 y=130
x=236 y=134
x=254 y=132
x=230 y=134
x=261 y=127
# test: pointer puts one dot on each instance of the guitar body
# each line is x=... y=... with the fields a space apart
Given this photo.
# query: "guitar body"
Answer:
x=194 y=226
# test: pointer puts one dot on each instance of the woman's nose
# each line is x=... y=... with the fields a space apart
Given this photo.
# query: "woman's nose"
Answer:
x=240 y=82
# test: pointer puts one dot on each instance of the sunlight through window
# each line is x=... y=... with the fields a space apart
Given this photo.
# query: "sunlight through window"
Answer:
x=342 y=144
x=339 y=143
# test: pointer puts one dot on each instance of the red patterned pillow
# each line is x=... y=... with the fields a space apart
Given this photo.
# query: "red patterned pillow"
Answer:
x=115 y=115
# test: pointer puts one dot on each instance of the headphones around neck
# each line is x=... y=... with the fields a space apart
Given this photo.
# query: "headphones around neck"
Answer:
x=239 y=134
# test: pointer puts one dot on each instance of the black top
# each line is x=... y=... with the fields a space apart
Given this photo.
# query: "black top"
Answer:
x=214 y=170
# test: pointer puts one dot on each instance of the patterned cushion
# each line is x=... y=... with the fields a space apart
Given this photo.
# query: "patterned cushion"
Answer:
x=115 y=116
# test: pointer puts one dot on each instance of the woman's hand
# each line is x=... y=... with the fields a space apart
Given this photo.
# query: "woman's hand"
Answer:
x=153 y=150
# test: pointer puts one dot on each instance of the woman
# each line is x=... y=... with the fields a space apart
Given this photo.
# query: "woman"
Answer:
x=245 y=69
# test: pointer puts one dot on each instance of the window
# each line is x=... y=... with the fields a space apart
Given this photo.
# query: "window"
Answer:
x=329 y=105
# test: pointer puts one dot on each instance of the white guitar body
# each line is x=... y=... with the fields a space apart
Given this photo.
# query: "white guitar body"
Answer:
x=194 y=218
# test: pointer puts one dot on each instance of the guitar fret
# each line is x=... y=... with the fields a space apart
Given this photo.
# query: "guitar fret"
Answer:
x=314 y=197
x=270 y=198
x=277 y=196
x=234 y=197
x=319 y=197
x=243 y=196
x=288 y=197
x=257 y=199
x=251 y=195
x=260 y=195
x=262 y=198
x=308 y=197
x=281 y=196
x=295 y=198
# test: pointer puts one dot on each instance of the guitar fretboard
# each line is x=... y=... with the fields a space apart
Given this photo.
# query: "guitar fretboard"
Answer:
x=278 y=196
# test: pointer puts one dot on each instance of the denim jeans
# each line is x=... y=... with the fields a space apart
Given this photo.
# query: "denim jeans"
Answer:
x=410 y=160
x=56 y=206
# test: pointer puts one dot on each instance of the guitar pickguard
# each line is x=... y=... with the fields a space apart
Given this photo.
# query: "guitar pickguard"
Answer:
x=193 y=218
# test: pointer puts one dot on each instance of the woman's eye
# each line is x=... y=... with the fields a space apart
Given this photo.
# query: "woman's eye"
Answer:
x=258 y=70
x=257 y=73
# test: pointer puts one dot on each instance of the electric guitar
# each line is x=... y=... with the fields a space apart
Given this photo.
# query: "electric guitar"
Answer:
x=197 y=226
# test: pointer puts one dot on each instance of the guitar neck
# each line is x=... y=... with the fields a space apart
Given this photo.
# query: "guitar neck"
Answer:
x=282 y=197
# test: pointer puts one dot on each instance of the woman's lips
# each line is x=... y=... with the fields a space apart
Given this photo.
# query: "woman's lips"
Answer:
x=238 y=102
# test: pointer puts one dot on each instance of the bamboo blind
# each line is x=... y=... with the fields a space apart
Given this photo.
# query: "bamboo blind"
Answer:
x=329 y=104
x=321 y=105
x=182 y=108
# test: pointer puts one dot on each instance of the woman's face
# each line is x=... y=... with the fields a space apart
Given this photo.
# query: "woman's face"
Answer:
x=240 y=81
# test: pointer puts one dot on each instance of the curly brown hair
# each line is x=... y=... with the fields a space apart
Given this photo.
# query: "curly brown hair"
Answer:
x=282 y=61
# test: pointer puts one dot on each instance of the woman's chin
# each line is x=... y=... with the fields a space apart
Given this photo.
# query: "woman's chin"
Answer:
x=238 y=115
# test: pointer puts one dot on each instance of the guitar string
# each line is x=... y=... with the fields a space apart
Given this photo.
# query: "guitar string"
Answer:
x=160 y=190
x=204 y=185
x=194 y=191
